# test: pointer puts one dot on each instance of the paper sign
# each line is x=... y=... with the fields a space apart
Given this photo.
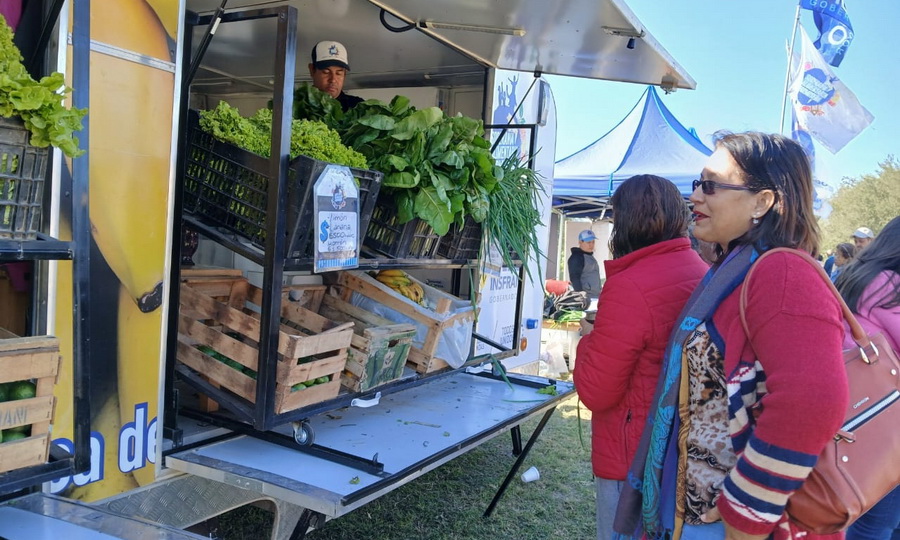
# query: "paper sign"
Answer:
x=336 y=208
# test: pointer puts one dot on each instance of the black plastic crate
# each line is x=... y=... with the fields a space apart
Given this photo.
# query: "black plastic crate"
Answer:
x=22 y=171
x=226 y=186
x=462 y=243
x=416 y=239
x=411 y=240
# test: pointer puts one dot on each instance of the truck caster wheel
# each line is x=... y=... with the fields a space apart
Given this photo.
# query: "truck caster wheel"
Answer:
x=303 y=433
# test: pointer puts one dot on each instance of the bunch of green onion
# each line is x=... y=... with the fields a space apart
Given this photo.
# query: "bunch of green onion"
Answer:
x=511 y=224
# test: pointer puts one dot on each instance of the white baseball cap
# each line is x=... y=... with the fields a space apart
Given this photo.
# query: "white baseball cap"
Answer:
x=864 y=232
x=330 y=53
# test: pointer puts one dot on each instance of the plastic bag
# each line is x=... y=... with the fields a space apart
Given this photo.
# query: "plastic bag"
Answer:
x=456 y=339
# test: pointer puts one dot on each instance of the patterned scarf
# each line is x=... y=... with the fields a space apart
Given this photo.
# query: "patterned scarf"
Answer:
x=647 y=505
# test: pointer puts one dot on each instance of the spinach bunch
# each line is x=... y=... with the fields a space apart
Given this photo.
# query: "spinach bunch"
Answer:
x=437 y=168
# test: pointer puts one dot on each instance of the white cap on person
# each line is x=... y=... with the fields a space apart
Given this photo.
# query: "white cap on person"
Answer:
x=328 y=54
x=863 y=232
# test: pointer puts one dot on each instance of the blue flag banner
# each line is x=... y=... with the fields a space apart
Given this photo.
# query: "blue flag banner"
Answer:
x=824 y=106
x=835 y=30
x=799 y=134
x=821 y=190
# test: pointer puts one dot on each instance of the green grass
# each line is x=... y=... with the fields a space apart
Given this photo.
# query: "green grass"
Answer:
x=448 y=503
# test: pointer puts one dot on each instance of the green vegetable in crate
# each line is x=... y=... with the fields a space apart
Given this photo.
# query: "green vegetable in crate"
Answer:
x=4 y=393
x=26 y=429
x=437 y=168
x=9 y=435
x=308 y=137
x=21 y=390
x=38 y=103
x=220 y=357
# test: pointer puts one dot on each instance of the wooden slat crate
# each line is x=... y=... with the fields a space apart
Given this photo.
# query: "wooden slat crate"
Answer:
x=378 y=350
x=33 y=359
x=309 y=346
x=216 y=282
x=424 y=358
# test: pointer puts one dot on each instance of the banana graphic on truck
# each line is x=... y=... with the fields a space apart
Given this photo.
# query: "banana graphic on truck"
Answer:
x=130 y=116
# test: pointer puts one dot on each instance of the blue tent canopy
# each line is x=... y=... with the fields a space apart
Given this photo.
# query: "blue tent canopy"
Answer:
x=649 y=140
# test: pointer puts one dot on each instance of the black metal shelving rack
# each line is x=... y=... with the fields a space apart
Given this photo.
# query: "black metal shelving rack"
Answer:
x=260 y=416
x=61 y=462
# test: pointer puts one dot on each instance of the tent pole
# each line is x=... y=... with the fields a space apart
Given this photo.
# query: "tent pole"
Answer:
x=787 y=75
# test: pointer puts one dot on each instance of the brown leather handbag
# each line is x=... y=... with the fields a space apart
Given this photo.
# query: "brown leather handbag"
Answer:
x=862 y=463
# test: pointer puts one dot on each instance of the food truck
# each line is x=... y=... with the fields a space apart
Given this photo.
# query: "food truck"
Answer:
x=191 y=326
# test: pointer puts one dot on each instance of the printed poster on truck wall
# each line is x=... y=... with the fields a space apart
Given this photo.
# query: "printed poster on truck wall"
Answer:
x=132 y=103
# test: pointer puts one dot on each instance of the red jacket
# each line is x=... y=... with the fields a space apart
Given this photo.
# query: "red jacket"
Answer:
x=619 y=362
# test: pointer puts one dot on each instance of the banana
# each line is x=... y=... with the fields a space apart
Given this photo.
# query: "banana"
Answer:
x=131 y=143
x=420 y=293
x=394 y=281
x=407 y=291
x=167 y=11
x=139 y=358
x=395 y=273
x=106 y=422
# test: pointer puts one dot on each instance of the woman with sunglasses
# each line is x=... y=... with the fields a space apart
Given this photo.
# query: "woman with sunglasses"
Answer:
x=739 y=419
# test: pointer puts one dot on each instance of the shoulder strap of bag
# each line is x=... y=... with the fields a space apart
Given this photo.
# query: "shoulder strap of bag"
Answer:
x=859 y=335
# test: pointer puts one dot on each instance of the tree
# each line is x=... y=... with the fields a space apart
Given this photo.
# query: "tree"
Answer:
x=869 y=201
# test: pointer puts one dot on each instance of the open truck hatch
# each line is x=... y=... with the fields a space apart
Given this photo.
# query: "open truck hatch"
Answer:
x=445 y=42
x=361 y=453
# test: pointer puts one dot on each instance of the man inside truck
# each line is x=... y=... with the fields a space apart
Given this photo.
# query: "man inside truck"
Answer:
x=328 y=70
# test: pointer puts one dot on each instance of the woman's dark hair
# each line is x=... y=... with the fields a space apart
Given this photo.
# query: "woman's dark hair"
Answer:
x=771 y=161
x=647 y=209
x=882 y=254
x=846 y=249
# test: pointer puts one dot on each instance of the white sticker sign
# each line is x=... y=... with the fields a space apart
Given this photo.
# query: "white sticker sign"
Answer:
x=336 y=208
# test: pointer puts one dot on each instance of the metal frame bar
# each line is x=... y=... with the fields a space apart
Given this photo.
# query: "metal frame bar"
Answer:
x=515 y=468
x=61 y=462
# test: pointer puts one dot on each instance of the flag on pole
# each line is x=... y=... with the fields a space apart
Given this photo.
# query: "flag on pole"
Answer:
x=821 y=191
x=835 y=30
x=824 y=106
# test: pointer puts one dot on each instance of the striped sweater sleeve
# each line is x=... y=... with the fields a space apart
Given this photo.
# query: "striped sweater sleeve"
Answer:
x=787 y=402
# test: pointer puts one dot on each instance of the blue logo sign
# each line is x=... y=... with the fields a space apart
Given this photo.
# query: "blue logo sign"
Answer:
x=816 y=88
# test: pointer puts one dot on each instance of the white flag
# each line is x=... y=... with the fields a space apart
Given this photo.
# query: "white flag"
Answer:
x=824 y=105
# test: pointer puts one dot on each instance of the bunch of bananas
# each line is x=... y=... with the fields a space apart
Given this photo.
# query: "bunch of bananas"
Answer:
x=401 y=282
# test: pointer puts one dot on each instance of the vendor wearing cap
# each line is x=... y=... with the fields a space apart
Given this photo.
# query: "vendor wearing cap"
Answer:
x=862 y=237
x=584 y=270
x=328 y=70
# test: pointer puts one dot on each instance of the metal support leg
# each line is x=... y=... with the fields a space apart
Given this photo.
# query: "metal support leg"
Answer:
x=516 y=433
x=307 y=518
x=519 y=460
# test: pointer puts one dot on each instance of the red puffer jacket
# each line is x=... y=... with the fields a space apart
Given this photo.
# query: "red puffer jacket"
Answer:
x=619 y=362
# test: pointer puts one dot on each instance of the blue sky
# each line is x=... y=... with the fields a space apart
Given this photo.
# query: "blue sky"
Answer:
x=736 y=52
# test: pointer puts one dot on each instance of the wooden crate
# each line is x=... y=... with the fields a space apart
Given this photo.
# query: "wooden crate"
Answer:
x=424 y=358
x=378 y=350
x=309 y=345
x=28 y=359
x=217 y=282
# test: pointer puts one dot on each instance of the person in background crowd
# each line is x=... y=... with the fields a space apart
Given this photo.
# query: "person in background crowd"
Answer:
x=862 y=237
x=843 y=254
x=871 y=287
x=328 y=70
x=619 y=357
x=738 y=419
x=829 y=262
x=584 y=270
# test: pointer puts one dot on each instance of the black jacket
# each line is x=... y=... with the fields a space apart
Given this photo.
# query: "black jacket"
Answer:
x=584 y=272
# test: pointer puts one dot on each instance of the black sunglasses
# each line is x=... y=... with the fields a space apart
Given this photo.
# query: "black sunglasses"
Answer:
x=709 y=187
